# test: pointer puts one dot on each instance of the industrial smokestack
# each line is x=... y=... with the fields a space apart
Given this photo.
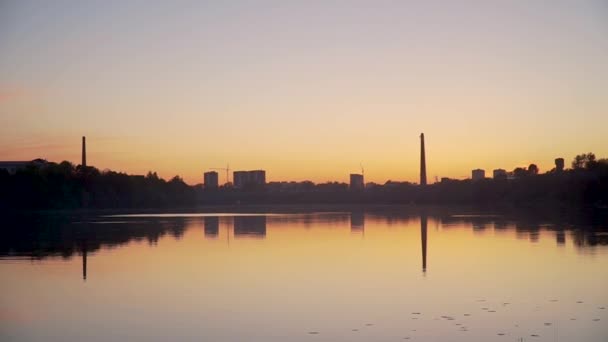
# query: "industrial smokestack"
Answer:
x=422 y=161
x=84 y=152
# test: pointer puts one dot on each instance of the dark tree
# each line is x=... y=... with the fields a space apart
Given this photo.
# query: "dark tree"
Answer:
x=533 y=169
x=520 y=172
x=584 y=161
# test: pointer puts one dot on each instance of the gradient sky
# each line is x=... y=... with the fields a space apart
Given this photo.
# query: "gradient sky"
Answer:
x=305 y=90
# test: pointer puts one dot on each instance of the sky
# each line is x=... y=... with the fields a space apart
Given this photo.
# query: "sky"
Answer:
x=307 y=90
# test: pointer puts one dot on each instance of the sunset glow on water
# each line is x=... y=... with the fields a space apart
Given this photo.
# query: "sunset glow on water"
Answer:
x=349 y=276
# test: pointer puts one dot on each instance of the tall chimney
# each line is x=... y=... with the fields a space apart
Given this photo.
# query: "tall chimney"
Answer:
x=422 y=161
x=84 y=152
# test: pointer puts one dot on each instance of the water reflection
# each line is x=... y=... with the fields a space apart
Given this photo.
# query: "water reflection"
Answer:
x=84 y=260
x=357 y=221
x=423 y=238
x=212 y=227
x=299 y=276
x=250 y=227
x=40 y=237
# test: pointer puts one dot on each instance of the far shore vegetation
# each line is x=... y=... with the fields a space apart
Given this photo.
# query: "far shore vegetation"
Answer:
x=50 y=186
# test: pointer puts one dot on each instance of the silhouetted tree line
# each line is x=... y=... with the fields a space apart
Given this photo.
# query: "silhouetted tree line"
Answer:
x=64 y=186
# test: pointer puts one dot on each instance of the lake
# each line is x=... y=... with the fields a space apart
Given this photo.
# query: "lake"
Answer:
x=346 y=275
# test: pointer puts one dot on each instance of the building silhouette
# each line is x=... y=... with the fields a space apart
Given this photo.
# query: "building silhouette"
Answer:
x=478 y=174
x=211 y=180
x=356 y=181
x=499 y=174
x=559 y=164
x=84 y=152
x=244 y=179
x=422 y=161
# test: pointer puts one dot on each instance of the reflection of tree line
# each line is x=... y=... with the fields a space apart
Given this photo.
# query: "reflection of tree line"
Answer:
x=41 y=237
x=583 y=234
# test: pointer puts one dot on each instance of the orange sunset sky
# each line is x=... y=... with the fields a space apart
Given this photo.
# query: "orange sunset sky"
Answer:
x=307 y=90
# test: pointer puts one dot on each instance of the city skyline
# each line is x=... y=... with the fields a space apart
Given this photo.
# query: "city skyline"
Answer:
x=240 y=178
x=306 y=92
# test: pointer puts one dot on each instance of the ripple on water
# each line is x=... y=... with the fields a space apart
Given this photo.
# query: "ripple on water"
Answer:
x=313 y=333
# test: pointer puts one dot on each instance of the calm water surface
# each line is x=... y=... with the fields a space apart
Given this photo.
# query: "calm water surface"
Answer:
x=341 y=276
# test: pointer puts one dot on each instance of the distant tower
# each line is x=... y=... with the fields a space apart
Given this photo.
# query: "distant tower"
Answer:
x=422 y=161
x=84 y=152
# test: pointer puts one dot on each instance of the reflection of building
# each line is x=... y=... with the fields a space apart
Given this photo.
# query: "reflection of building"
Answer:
x=560 y=237
x=84 y=260
x=559 y=164
x=211 y=180
x=250 y=226
x=357 y=220
x=499 y=174
x=423 y=231
x=356 y=181
x=212 y=226
x=255 y=178
x=478 y=174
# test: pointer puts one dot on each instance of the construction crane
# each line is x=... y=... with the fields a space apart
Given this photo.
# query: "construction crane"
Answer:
x=227 y=169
